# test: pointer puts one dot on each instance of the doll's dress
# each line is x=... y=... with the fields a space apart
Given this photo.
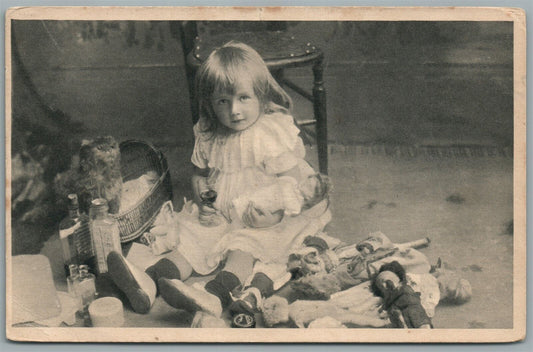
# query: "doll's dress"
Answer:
x=283 y=195
x=240 y=163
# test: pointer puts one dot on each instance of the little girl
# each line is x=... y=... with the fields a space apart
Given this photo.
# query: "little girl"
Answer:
x=246 y=146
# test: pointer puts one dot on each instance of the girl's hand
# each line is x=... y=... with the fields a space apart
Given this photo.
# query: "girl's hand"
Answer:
x=199 y=184
x=255 y=217
x=205 y=213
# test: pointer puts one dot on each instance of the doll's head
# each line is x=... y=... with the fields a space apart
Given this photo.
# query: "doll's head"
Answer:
x=234 y=87
x=314 y=189
x=390 y=276
x=453 y=289
x=314 y=258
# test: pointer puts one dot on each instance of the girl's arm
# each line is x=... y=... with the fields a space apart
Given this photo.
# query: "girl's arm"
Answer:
x=294 y=173
x=254 y=217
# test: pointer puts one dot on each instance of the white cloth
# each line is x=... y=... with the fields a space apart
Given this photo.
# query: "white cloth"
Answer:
x=242 y=163
x=205 y=247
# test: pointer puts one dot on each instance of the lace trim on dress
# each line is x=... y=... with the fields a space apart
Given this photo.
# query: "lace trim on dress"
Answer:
x=270 y=137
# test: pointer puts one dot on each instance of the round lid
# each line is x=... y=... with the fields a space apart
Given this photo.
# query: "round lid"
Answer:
x=105 y=306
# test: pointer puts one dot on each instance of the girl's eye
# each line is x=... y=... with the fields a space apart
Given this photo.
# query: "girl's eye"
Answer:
x=244 y=98
x=222 y=101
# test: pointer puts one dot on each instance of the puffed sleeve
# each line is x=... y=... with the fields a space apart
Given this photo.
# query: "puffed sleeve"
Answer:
x=286 y=148
x=199 y=156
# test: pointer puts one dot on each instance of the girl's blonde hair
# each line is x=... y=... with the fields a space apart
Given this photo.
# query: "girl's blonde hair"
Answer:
x=221 y=72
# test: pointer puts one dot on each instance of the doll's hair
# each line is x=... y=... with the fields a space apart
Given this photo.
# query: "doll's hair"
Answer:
x=393 y=267
x=322 y=190
x=222 y=71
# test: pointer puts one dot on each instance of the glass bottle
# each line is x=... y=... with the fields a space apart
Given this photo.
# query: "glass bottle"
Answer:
x=83 y=242
x=208 y=199
x=104 y=232
x=86 y=287
x=67 y=228
x=72 y=278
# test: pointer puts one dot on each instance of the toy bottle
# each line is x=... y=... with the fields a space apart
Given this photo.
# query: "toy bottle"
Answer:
x=208 y=199
x=72 y=283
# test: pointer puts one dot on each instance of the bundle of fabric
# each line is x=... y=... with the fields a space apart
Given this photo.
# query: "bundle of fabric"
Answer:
x=31 y=274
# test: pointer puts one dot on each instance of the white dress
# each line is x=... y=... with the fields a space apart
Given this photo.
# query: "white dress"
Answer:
x=240 y=163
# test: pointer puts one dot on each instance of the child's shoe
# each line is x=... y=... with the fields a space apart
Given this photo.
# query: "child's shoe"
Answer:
x=190 y=298
x=138 y=287
x=163 y=268
x=250 y=301
x=244 y=308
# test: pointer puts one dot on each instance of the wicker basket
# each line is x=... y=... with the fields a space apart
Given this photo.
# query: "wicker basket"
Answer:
x=136 y=159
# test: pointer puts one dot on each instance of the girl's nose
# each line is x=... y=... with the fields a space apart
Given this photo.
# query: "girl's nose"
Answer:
x=235 y=108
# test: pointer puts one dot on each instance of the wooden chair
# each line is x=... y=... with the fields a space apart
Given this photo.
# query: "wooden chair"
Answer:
x=278 y=49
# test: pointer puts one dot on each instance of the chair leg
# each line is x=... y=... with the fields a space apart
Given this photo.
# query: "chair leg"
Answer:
x=186 y=32
x=319 y=105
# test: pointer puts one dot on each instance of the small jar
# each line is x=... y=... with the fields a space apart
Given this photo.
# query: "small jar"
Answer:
x=72 y=278
x=72 y=284
x=86 y=286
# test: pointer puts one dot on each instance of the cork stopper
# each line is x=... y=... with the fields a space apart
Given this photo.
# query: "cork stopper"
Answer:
x=73 y=201
x=98 y=207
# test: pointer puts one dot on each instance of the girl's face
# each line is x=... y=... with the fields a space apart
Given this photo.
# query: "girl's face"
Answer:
x=237 y=110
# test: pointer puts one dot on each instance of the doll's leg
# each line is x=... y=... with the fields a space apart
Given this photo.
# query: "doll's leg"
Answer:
x=240 y=264
x=173 y=266
x=217 y=293
x=140 y=287
x=250 y=299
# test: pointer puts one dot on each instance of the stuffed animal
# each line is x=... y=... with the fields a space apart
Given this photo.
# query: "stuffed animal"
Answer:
x=453 y=289
x=275 y=311
x=96 y=175
x=326 y=323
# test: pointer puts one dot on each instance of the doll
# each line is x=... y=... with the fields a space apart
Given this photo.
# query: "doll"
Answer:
x=402 y=304
x=285 y=195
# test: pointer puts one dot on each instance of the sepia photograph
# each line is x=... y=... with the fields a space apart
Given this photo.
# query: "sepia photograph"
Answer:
x=277 y=174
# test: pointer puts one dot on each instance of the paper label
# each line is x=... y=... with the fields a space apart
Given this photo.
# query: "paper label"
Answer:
x=106 y=239
x=67 y=232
